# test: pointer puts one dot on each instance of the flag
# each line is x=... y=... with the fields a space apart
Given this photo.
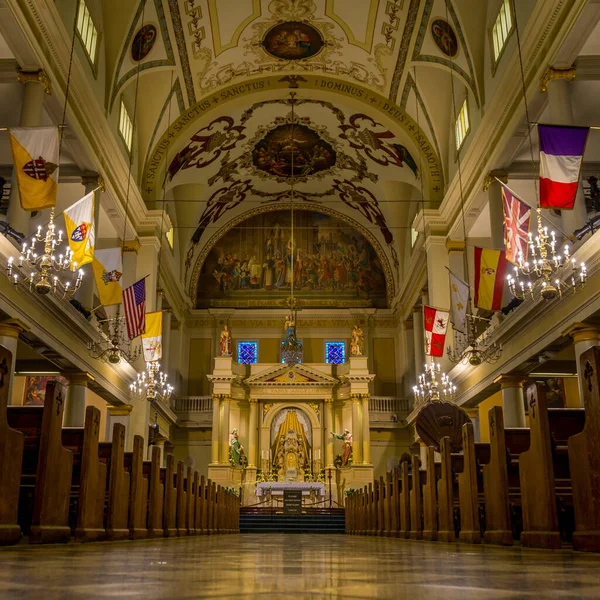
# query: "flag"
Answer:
x=152 y=338
x=134 y=305
x=490 y=270
x=107 y=266
x=561 y=154
x=79 y=223
x=435 y=322
x=459 y=301
x=35 y=156
x=517 y=218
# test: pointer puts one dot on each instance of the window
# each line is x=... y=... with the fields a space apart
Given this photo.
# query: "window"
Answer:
x=247 y=353
x=502 y=29
x=126 y=127
x=87 y=31
x=414 y=236
x=170 y=237
x=462 y=125
x=335 y=352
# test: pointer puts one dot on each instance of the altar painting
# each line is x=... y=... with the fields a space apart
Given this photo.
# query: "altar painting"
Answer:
x=291 y=448
x=251 y=265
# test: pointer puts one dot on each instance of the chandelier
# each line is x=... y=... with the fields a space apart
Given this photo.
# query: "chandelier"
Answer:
x=152 y=383
x=46 y=269
x=434 y=386
x=549 y=274
x=115 y=345
x=475 y=344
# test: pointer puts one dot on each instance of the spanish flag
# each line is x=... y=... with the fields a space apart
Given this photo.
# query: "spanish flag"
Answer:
x=35 y=155
x=79 y=222
x=490 y=270
x=152 y=338
x=107 y=266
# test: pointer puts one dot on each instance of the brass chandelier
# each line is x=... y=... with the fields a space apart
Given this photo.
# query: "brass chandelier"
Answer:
x=116 y=346
x=434 y=386
x=152 y=383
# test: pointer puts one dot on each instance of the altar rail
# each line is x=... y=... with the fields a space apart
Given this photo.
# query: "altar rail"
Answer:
x=193 y=404
x=389 y=404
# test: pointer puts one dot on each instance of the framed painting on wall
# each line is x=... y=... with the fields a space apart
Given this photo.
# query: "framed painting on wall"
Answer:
x=35 y=388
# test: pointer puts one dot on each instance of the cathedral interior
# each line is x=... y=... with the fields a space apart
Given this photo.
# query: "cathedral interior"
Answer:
x=328 y=268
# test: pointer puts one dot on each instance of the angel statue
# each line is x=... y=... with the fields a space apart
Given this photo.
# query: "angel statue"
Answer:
x=346 y=437
x=235 y=448
x=225 y=343
x=357 y=345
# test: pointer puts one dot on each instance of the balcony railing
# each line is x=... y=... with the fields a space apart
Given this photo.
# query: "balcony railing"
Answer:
x=192 y=404
x=389 y=404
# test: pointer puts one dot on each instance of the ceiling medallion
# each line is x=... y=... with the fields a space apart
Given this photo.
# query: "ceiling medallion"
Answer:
x=143 y=42
x=444 y=37
x=293 y=40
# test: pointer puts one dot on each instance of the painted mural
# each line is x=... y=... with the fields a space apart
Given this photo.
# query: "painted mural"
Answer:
x=35 y=389
x=252 y=264
x=444 y=37
x=143 y=42
x=293 y=40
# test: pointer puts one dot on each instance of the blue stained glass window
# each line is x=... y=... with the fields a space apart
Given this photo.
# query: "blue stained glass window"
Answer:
x=335 y=352
x=247 y=353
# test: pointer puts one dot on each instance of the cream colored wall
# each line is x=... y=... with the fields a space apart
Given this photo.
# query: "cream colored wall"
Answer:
x=384 y=366
x=194 y=443
x=200 y=365
x=386 y=444
x=18 y=390
x=572 y=399
x=484 y=408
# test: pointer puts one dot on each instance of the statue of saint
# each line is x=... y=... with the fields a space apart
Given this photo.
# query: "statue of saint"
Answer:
x=225 y=342
x=346 y=437
x=357 y=345
x=235 y=448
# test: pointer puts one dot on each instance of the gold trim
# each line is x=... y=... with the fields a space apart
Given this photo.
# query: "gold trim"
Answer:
x=555 y=73
x=12 y=328
x=123 y=410
x=455 y=246
x=131 y=246
x=491 y=177
x=582 y=332
x=37 y=76
x=77 y=378
x=510 y=381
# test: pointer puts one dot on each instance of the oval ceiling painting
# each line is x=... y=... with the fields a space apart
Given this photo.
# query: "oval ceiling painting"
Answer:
x=252 y=266
x=293 y=150
x=143 y=42
x=444 y=37
x=293 y=40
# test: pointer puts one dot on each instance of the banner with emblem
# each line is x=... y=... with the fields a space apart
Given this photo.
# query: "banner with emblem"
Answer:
x=107 y=266
x=459 y=302
x=35 y=156
x=79 y=223
x=152 y=337
x=490 y=272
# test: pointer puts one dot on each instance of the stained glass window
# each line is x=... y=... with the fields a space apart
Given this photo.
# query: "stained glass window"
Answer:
x=247 y=353
x=335 y=352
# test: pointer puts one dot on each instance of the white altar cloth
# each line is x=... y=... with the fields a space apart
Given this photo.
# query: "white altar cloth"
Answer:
x=278 y=487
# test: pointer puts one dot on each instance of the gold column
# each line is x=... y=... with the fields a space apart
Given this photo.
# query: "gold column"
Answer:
x=252 y=433
x=328 y=437
x=224 y=457
x=366 y=429
x=214 y=457
x=357 y=436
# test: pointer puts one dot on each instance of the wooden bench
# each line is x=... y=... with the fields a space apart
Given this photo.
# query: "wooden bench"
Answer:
x=167 y=477
x=156 y=494
x=429 y=500
x=182 y=528
x=404 y=506
x=117 y=510
x=138 y=497
x=445 y=489
x=416 y=500
x=193 y=481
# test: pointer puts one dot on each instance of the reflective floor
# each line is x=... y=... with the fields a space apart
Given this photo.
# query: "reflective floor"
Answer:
x=293 y=566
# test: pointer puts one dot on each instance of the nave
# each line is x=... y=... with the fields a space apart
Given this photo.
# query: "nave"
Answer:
x=298 y=566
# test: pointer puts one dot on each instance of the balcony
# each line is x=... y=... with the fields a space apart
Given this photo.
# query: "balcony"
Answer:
x=193 y=411
x=388 y=411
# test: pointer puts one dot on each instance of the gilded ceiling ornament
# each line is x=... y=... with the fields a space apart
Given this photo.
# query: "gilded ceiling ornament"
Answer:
x=266 y=409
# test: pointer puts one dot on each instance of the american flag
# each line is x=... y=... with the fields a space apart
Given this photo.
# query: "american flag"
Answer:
x=517 y=216
x=134 y=303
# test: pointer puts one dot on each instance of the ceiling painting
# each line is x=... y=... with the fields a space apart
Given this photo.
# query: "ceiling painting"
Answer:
x=293 y=40
x=444 y=37
x=143 y=42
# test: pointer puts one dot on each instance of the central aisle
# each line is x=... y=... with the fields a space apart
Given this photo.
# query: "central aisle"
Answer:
x=292 y=566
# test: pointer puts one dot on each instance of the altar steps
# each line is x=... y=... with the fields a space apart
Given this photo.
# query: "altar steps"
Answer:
x=313 y=522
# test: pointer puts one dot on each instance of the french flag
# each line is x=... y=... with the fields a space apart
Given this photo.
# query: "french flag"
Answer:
x=561 y=154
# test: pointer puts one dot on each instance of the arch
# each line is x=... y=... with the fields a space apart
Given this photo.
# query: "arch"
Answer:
x=305 y=408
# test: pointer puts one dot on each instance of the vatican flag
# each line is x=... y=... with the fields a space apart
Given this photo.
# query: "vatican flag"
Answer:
x=35 y=155
x=79 y=222
x=108 y=269
x=152 y=338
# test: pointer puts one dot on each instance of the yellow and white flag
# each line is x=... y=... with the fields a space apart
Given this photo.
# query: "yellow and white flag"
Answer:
x=35 y=154
x=107 y=265
x=152 y=339
x=81 y=234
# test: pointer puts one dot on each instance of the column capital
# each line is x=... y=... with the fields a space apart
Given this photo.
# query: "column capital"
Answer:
x=554 y=73
x=131 y=246
x=12 y=328
x=93 y=179
x=77 y=377
x=491 y=178
x=124 y=410
x=582 y=332
x=510 y=380
x=455 y=246
x=328 y=401
x=359 y=397
x=38 y=76
x=253 y=401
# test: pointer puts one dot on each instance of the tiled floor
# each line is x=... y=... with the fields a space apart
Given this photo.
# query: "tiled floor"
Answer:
x=293 y=566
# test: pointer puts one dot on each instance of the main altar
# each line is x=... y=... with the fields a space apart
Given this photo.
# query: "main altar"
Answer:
x=283 y=418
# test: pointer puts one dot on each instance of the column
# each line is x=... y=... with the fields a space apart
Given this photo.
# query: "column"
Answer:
x=474 y=416
x=410 y=373
x=492 y=186
x=584 y=336
x=356 y=431
x=328 y=437
x=167 y=317
x=77 y=383
x=37 y=86
x=159 y=442
x=9 y=336
x=556 y=82
x=253 y=433
x=216 y=419
x=366 y=430
x=224 y=458
x=147 y=266
x=513 y=401
x=118 y=414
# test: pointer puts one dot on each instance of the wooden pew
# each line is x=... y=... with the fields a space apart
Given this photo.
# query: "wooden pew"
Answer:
x=430 y=525
x=394 y=502
x=381 y=498
x=170 y=498
x=202 y=509
x=156 y=495
x=371 y=514
x=47 y=467
x=468 y=486
x=181 y=501
x=193 y=481
x=387 y=507
x=584 y=458
x=210 y=491
x=404 y=504
x=138 y=504
x=117 y=510
x=416 y=500
x=11 y=459
x=445 y=488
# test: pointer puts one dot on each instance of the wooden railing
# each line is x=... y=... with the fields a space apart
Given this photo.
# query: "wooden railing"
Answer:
x=192 y=404
x=389 y=404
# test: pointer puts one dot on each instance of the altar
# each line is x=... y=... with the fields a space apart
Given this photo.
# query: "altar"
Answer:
x=276 y=488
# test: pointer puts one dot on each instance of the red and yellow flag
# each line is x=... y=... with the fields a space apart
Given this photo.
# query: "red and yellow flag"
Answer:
x=490 y=271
